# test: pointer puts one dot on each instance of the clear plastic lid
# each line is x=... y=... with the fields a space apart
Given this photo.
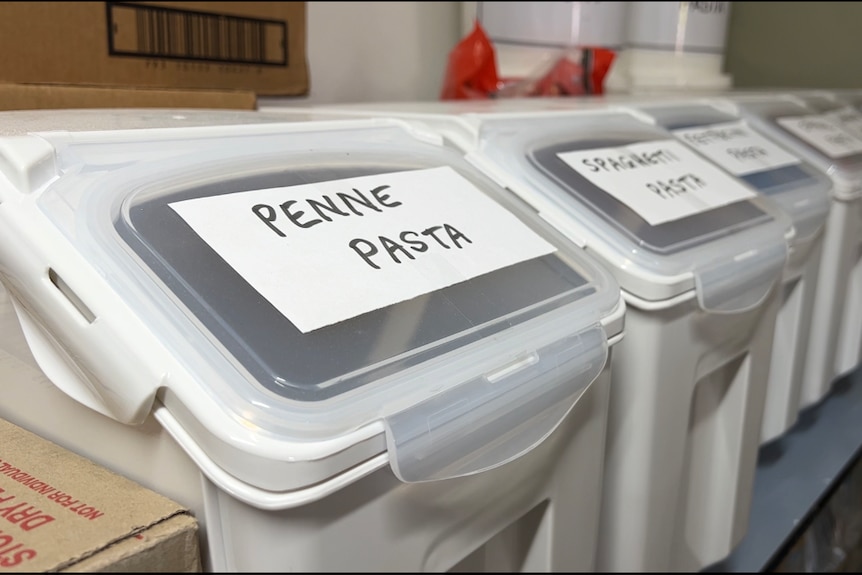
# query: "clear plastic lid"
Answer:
x=812 y=126
x=310 y=278
x=666 y=219
x=802 y=191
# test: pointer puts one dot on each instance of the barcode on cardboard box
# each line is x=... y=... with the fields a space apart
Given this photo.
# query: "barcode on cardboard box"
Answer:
x=149 y=31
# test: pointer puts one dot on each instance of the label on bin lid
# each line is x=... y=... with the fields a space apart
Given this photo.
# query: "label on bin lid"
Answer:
x=737 y=148
x=661 y=180
x=824 y=132
x=850 y=119
x=326 y=252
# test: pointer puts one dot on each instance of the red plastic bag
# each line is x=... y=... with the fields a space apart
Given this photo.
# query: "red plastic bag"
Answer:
x=471 y=72
x=576 y=72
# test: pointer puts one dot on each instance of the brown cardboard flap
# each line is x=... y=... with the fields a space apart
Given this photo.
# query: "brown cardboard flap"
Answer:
x=37 y=97
x=170 y=546
x=59 y=510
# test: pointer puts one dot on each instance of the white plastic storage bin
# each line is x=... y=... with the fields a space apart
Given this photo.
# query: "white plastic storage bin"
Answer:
x=700 y=279
x=671 y=46
x=817 y=131
x=337 y=342
x=528 y=37
x=850 y=339
x=803 y=193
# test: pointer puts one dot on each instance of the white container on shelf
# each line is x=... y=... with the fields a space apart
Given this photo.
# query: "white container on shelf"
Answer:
x=672 y=46
x=701 y=287
x=342 y=346
x=530 y=36
x=817 y=130
x=803 y=192
x=850 y=339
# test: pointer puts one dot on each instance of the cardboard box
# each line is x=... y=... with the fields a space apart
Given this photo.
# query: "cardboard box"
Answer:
x=248 y=46
x=44 y=96
x=62 y=512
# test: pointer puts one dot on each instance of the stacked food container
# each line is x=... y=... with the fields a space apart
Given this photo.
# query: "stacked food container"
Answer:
x=816 y=129
x=803 y=193
x=342 y=346
x=699 y=256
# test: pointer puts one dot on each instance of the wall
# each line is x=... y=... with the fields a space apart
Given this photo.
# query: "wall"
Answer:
x=391 y=51
x=379 y=51
x=795 y=44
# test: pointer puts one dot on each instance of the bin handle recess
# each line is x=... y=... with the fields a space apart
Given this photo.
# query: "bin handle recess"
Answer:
x=495 y=418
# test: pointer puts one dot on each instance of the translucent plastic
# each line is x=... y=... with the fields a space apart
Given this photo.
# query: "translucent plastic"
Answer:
x=733 y=253
x=148 y=281
x=765 y=112
x=800 y=190
x=479 y=424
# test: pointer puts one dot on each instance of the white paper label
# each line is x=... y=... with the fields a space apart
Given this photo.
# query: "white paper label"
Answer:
x=824 y=132
x=678 y=26
x=661 y=180
x=554 y=23
x=850 y=119
x=326 y=252
x=737 y=148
